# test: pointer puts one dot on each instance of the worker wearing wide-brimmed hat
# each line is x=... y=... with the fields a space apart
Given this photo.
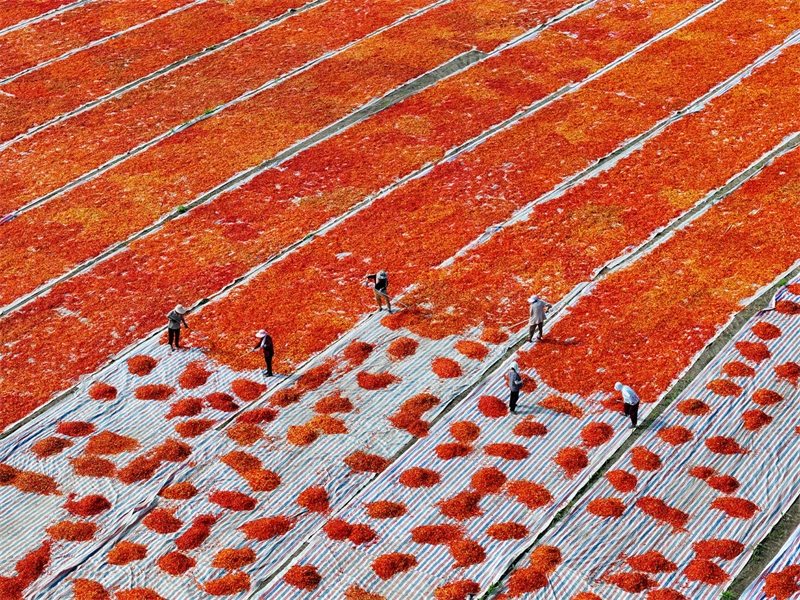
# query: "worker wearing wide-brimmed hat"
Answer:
x=175 y=318
x=536 y=320
x=265 y=342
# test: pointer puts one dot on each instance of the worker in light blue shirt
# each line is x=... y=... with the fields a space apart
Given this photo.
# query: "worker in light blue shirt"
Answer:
x=631 y=401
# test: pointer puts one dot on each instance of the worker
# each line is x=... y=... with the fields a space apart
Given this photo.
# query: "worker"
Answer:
x=514 y=383
x=380 y=282
x=537 y=310
x=175 y=318
x=265 y=342
x=631 y=402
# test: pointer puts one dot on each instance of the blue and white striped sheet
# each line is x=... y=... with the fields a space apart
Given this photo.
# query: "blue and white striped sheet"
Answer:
x=320 y=463
x=788 y=555
x=342 y=565
x=769 y=475
x=25 y=515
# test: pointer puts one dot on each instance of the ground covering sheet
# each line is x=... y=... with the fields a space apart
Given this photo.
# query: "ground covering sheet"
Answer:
x=47 y=39
x=571 y=422
x=81 y=472
x=300 y=346
x=309 y=169
x=680 y=513
x=311 y=447
x=137 y=193
x=779 y=579
x=127 y=489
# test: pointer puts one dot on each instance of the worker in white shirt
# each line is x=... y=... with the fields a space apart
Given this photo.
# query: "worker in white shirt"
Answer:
x=631 y=402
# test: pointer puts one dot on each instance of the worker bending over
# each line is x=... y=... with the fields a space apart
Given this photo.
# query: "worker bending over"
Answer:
x=265 y=343
x=380 y=282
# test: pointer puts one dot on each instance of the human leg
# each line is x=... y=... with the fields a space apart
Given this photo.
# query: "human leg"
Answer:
x=171 y=337
x=268 y=359
x=512 y=401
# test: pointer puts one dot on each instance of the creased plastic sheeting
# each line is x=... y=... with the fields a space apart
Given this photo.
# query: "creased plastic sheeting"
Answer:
x=788 y=556
x=343 y=565
x=320 y=463
x=27 y=515
x=768 y=475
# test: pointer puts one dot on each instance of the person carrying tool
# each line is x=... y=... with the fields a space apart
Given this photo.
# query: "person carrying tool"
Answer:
x=631 y=400
x=380 y=282
x=265 y=342
x=514 y=383
x=537 y=310
x=175 y=318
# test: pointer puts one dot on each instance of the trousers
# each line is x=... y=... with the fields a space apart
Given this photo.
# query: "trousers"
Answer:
x=268 y=354
x=533 y=327
x=632 y=410
x=175 y=334
x=512 y=400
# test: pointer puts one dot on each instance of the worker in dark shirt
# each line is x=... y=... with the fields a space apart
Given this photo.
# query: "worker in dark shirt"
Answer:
x=381 y=285
x=265 y=342
x=514 y=383
x=175 y=319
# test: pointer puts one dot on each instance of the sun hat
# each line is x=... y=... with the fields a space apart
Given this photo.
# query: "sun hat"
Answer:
x=261 y=333
x=181 y=310
x=533 y=298
x=381 y=274
x=618 y=386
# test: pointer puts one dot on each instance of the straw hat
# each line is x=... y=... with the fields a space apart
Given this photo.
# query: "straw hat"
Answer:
x=181 y=310
x=261 y=333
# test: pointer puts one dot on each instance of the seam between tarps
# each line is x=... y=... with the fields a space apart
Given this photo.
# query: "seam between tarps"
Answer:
x=98 y=42
x=642 y=416
x=560 y=309
x=326 y=227
x=155 y=74
x=44 y=16
x=470 y=56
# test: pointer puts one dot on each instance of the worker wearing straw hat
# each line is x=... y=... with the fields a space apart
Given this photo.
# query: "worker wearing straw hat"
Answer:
x=631 y=402
x=537 y=310
x=175 y=318
x=265 y=343
x=381 y=285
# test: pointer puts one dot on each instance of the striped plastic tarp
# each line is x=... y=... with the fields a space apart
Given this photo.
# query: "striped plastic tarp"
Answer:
x=343 y=565
x=775 y=577
x=27 y=515
x=319 y=464
x=764 y=470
